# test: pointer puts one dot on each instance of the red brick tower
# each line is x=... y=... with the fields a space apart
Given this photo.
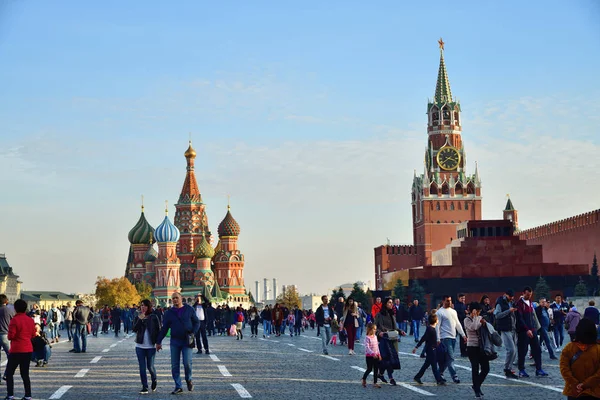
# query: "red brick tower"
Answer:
x=444 y=195
x=167 y=263
x=509 y=213
x=229 y=261
x=190 y=219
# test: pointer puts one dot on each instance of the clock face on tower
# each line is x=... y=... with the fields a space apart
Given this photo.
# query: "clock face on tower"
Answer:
x=448 y=158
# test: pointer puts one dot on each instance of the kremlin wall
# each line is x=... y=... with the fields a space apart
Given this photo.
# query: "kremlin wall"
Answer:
x=455 y=250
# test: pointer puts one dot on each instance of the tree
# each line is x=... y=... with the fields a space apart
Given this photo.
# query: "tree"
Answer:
x=417 y=292
x=542 y=290
x=118 y=291
x=251 y=298
x=360 y=296
x=335 y=296
x=581 y=288
x=290 y=298
x=144 y=289
x=399 y=291
x=594 y=274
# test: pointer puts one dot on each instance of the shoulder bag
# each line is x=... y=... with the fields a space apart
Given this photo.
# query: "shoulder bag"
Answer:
x=191 y=339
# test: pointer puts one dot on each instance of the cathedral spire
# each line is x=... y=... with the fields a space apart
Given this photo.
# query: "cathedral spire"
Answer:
x=443 y=94
x=190 y=194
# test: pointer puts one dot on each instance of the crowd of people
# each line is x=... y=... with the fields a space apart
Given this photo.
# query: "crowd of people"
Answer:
x=524 y=328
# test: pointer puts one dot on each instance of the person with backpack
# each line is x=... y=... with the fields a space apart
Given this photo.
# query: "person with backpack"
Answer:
x=571 y=321
x=54 y=320
x=146 y=326
x=579 y=363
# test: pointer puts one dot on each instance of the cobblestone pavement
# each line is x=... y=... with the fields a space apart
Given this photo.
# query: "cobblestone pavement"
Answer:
x=273 y=368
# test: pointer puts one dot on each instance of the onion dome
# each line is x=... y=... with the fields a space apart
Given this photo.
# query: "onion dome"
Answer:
x=229 y=226
x=204 y=249
x=166 y=231
x=141 y=233
x=190 y=152
x=150 y=255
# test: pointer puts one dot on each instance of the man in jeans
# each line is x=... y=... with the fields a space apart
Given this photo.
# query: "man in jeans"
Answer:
x=81 y=316
x=543 y=317
x=200 y=307
x=527 y=327
x=6 y=314
x=448 y=326
x=182 y=320
x=559 y=312
x=324 y=315
x=506 y=324
x=416 y=313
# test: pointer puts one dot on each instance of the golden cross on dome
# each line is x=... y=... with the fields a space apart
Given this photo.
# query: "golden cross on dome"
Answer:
x=166 y=207
x=142 y=203
x=441 y=43
x=228 y=199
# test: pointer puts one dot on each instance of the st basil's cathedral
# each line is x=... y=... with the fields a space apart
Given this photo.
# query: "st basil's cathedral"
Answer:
x=186 y=261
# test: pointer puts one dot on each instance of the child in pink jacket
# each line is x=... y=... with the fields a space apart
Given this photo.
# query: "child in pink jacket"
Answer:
x=372 y=355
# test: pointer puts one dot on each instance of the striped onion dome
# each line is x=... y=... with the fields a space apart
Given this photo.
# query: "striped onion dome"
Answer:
x=150 y=255
x=166 y=231
x=142 y=232
x=229 y=226
x=204 y=249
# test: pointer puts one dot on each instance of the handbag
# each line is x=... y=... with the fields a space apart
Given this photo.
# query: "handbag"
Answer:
x=392 y=336
x=88 y=328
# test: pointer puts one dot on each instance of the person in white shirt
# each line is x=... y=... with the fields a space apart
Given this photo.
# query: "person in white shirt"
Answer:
x=200 y=307
x=448 y=326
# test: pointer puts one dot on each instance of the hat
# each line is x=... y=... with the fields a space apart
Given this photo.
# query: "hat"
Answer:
x=510 y=292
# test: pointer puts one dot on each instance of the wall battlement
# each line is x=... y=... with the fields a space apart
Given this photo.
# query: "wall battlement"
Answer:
x=564 y=225
x=400 y=250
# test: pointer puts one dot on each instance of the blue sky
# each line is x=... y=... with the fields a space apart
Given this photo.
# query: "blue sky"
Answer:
x=311 y=116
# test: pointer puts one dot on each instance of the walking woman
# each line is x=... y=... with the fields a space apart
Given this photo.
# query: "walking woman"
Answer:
x=580 y=363
x=480 y=363
x=254 y=318
x=350 y=321
x=277 y=318
x=385 y=321
x=21 y=330
x=146 y=327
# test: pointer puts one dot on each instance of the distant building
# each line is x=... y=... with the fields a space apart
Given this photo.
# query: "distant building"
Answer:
x=348 y=287
x=45 y=299
x=9 y=282
x=311 y=302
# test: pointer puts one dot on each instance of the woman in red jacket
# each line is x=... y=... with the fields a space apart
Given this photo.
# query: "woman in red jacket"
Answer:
x=21 y=330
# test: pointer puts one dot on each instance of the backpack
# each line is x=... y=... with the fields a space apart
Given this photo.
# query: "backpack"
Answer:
x=240 y=317
x=54 y=316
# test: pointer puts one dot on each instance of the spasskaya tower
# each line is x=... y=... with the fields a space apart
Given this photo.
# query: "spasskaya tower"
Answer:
x=444 y=195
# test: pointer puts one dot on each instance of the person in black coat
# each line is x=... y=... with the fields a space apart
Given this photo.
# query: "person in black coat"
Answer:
x=115 y=315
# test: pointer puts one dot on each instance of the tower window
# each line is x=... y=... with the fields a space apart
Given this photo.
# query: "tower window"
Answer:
x=466 y=206
x=437 y=207
x=452 y=206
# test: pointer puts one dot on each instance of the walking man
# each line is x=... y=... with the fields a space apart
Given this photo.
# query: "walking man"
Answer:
x=81 y=316
x=506 y=324
x=69 y=320
x=526 y=334
x=324 y=315
x=416 y=314
x=559 y=311
x=182 y=320
x=448 y=326
x=54 y=319
x=543 y=317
